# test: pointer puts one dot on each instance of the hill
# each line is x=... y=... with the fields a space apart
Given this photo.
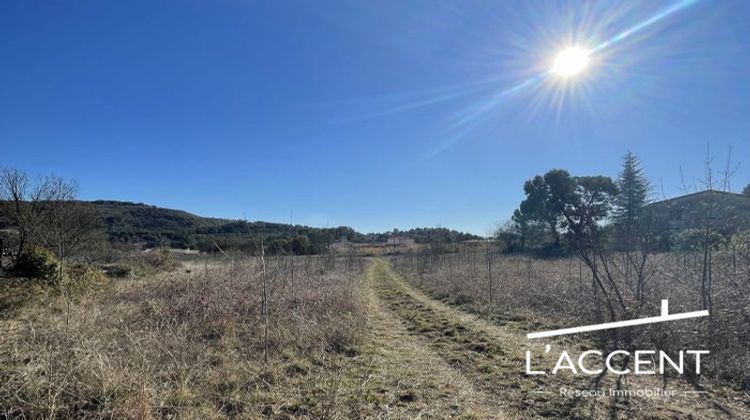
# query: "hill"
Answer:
x=138 y=224
x=728 y=212
x=150 y=226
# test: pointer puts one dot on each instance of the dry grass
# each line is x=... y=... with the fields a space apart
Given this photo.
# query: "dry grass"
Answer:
x=343 y=343
x=185 y=344
x=532 y=294
x=488 y=347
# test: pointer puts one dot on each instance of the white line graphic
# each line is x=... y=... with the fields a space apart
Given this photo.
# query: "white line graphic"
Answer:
x=665 y=316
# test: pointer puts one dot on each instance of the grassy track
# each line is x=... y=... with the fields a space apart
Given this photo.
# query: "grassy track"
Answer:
x=492 y=358
x=487 y=356
x=403 y=377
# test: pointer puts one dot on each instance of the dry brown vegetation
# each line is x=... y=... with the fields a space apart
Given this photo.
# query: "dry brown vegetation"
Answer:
x=488 y=350
x=535 y=294
x=346 y=338
x=187 y=343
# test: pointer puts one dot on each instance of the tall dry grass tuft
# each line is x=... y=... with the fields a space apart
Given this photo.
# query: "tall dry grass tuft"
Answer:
x=180 y=344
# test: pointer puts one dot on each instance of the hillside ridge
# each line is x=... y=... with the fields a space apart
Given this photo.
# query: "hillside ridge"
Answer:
x=148 y=225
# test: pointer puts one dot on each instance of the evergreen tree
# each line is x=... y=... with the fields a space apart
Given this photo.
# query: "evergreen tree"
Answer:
x=633 y=194
x=546 y=198
x=746 y=191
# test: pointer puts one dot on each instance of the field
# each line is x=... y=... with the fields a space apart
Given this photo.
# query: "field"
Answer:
x=309 y=337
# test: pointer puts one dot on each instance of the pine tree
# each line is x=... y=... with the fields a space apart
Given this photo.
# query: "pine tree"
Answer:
x=633 y=194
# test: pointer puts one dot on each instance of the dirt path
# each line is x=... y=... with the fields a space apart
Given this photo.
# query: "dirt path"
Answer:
x=482 y=354
x=488 y=362
x=404 y=377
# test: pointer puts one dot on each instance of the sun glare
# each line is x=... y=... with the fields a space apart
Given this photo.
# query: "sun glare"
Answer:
x=570 y=61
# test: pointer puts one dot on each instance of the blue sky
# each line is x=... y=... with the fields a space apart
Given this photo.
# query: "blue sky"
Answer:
x=369 y=114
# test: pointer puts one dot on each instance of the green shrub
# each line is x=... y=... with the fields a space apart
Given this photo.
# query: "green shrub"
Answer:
x=36 y=263
x=81 y=278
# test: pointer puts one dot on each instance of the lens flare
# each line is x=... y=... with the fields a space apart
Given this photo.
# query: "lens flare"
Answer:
x=594 y=37
x=571 y=61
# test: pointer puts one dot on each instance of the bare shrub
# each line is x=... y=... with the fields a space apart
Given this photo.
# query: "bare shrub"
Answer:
x=160 y=258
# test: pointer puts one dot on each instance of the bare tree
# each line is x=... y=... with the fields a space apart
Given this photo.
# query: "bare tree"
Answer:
x=708 y=237
x=48 y=215
x=264 y=301
x=729 y=171
x=14 y=193
x=69 y=229
x=591 y=204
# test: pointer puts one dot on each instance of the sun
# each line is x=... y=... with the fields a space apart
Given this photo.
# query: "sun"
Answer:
x=571 y=61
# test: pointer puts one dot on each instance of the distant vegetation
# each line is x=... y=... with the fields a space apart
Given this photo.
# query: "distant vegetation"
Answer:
x=150 y=226
x=732 y=212
x=145 y=226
